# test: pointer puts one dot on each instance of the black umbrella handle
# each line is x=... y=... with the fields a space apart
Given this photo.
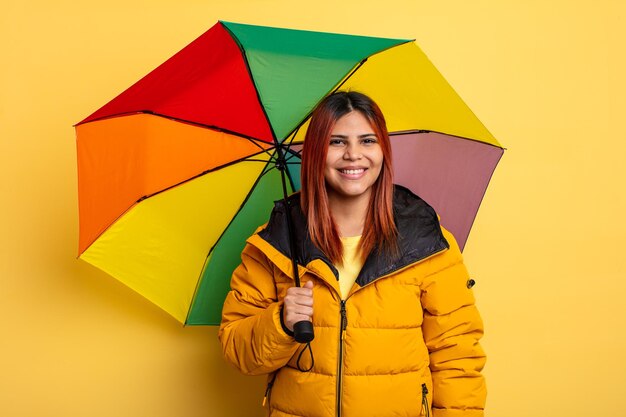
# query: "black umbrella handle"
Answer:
x=302 y=330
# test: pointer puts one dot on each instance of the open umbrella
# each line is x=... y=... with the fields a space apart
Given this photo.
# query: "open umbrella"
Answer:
x=178 y=170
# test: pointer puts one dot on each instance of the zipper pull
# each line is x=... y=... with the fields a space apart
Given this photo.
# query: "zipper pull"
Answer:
x=425 y=410
x=344 y=316
x=267 y=391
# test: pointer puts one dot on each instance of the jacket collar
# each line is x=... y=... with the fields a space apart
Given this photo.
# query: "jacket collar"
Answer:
x=418 y=226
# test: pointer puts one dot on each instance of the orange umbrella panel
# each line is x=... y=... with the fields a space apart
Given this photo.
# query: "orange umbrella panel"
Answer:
x=123 y=160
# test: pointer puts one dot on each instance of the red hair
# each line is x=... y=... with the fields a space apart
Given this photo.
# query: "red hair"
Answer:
x=379 y=229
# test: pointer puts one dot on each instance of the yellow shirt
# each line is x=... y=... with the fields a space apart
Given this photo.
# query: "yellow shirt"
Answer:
x=352 y=264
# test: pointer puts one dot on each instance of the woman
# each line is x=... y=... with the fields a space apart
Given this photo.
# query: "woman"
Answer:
x=396 y=329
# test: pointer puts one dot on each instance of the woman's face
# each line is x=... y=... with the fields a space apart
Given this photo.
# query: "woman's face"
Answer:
x=354 y=158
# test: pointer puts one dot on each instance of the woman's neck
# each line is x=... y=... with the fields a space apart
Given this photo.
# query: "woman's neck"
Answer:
x=349 y=214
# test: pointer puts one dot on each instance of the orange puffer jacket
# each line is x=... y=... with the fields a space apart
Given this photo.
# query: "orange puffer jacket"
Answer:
x=404 y=342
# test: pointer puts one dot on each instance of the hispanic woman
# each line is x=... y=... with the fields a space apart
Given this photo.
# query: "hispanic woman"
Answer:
x=384 y=285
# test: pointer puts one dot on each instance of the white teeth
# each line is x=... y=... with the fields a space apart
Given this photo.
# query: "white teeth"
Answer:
x=352 y=171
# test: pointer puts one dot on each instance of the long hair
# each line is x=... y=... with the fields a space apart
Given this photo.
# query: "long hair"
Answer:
x=379 y=228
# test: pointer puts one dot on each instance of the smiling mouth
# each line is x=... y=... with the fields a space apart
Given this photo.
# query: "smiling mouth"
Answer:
x=352 y=171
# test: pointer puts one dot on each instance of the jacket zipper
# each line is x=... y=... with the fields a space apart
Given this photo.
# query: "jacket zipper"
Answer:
x=425 y=408
x=344 y=324
x=342 y=330
x=343 y=319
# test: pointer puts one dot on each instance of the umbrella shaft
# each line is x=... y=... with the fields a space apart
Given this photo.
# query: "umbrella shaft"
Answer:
x=292 y=241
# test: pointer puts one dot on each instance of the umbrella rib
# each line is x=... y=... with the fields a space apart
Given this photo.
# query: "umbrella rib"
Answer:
x=345 y=78
x=350 y=74
x=421 y=131
x=243 y=203
x=291 y=155
x=481 y=199
x=256 y=87
x=266 y=170
x=270 y=167
x=268 y=152
x=139 y=200
x=255 y=141
x=360 y=64
x=208 y=171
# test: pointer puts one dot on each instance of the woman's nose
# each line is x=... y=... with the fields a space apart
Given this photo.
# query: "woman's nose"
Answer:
x=352 y=152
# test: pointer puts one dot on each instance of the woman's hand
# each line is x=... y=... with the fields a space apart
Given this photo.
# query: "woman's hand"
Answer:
x=298 y=305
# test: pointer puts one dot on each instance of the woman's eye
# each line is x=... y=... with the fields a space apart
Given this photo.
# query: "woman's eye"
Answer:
x=336 y=142
x=369 y=141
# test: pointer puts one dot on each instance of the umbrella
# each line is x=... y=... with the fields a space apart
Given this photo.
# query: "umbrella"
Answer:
x=178 y=170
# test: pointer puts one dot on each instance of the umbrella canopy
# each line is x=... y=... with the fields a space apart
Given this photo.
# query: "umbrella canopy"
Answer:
x=178 y=170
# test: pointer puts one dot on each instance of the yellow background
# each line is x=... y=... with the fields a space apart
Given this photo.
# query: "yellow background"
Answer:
x=546 y=77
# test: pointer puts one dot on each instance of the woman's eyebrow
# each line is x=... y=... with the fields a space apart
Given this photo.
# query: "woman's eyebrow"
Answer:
x=365 y=135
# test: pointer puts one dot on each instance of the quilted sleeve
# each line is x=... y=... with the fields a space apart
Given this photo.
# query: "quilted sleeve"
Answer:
x=452 y=329
x=250 y=333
